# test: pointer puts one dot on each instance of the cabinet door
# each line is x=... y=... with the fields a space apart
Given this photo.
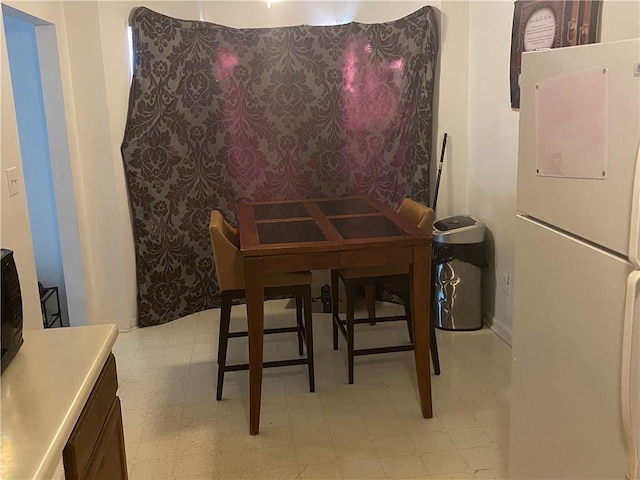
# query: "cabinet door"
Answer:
x=96 y=446
x=110 y=462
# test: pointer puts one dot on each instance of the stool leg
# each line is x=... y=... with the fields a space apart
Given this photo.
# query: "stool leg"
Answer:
x=351 y=298
x=406 y=299
x=433 y=344
x=335 y=314
x=298 y=300
x=434 y=350
x=370 y=298
x=223 y=340
x=308 y=329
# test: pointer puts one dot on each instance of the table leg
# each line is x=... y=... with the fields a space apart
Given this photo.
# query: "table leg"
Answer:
x=254 y=289
x=421 y=293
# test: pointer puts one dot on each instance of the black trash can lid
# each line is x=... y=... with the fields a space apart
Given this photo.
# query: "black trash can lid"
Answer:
x=451 y=223
x=458 y=229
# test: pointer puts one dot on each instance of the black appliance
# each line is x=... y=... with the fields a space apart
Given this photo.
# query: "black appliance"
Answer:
x=11 y=330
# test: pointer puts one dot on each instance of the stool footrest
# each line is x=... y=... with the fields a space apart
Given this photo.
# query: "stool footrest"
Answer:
x=373 y=351
x=267 y=331
x=278 y=363
x=358 y=321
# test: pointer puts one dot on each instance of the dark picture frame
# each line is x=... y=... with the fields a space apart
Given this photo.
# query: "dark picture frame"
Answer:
x=542 y=24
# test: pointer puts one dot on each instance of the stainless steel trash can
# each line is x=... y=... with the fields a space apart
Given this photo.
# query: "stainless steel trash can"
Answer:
x=458 y=257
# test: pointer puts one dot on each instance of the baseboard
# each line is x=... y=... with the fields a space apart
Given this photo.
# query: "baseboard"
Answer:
x=133 y=325
x=127 y=330
x=500 y=329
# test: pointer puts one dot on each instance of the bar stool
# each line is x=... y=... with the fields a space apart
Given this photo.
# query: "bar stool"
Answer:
x=398 y=277
x=230 y=274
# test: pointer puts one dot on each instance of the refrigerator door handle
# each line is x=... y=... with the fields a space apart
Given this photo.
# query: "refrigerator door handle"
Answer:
x=631 y=443
x=634 y=231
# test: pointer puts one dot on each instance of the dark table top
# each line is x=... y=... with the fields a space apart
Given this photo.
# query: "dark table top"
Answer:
x=321 y=225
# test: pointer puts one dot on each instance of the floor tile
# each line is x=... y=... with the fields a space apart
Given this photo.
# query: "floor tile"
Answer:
x=362 y=449
x=347 y=431
x=444 y=462
x=321 y=472
x=396 y=446
x=404 y=467
x=321 y=453
x=362 y=469
x=470 y=438
x=432 y=442
x=483 y=458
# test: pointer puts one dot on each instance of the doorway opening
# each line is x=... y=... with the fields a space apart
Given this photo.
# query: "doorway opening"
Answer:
x=37 y=90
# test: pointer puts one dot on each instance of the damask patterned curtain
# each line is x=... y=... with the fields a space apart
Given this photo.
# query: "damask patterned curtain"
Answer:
x=219 y=116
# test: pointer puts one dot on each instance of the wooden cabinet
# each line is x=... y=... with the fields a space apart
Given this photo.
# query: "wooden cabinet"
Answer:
x=58 y=399
x=95 y=449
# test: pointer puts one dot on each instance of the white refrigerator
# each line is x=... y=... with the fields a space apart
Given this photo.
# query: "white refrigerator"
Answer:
x=575 y=401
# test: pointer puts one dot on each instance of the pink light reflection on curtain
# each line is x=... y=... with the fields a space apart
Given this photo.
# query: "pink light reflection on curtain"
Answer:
x=371 y=97
x=226 y=62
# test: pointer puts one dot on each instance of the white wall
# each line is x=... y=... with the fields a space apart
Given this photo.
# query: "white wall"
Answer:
x=106 y=221
x=620 y=20
x=63 y=181
x=452 y=112
x=493 y=151
x=91 y=164
x=493 y=137
x=15 y=231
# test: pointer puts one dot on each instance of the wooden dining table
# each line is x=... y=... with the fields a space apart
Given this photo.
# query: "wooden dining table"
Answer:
x=325 y=234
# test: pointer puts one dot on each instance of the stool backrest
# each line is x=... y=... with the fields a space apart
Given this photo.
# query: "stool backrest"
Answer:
x=417 y=213
x=226 y=253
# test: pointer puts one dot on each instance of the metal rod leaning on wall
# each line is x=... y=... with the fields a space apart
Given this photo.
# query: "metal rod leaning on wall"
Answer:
x=435 y=196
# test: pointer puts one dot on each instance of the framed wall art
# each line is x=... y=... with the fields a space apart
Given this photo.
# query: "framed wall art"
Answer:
x=542 y=24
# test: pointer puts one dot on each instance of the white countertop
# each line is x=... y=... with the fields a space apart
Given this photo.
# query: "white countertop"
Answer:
x=42 y=393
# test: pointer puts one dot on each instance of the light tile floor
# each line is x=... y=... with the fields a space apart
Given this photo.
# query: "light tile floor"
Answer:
x=175 y=429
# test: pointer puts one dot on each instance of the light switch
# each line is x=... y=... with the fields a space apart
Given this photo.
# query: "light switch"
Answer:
x=12 y=181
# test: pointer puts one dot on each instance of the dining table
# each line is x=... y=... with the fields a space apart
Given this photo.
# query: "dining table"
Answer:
x=331 y=233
